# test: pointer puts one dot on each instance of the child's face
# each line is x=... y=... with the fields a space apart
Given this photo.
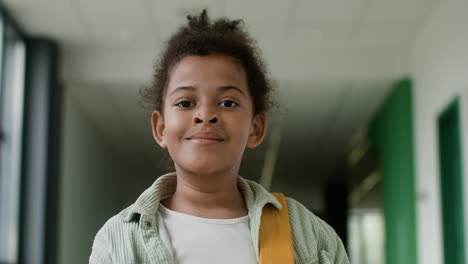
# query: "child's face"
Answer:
x=208 y=94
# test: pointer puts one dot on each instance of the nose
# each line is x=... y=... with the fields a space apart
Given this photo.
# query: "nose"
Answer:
x=212 y=119
x=206 y=115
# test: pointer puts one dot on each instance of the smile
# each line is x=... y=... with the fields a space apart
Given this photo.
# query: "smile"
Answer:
x=204 y=140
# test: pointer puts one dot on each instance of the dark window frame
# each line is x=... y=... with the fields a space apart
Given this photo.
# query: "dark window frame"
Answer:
x=40 y=150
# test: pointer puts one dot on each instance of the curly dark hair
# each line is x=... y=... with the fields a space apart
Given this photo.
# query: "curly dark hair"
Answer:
x=202 y=37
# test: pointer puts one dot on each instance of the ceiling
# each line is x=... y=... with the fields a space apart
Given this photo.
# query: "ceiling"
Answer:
x=333 y=62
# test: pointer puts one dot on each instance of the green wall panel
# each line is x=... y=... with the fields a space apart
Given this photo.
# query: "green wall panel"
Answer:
x=391 y=137
x=451 y=184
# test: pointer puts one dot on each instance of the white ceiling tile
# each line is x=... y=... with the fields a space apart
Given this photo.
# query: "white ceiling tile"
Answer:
x=265 y=20
x=119 y=22
x=109 y=12
x=329 y=10
x=398 y=10
x=395 y=33
x=266 y=11
x=166 y=10
x=53 y=18
x=393 y=23
x=125 y=38
x=326 y=21
x=29 y=3
x=317 y=33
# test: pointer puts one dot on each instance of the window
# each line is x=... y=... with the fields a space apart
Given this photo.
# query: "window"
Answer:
x=367 y=236
x=12 y=58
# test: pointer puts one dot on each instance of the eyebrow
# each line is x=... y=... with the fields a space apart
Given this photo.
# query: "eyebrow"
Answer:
x=230 y=87
x=182 y=88
x=219 y=89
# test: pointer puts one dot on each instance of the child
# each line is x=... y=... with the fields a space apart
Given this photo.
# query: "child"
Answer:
x=210 y=97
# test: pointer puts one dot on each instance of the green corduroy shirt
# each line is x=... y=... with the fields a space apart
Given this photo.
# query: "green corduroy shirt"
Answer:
x=138 y=234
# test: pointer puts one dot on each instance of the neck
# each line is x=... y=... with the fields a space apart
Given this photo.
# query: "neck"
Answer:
x=207 y=196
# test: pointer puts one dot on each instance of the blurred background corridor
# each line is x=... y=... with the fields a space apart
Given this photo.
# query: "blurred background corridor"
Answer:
x=369 y=132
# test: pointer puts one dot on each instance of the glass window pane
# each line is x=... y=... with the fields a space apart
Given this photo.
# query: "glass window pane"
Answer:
x=367 y=237
x=11 y=126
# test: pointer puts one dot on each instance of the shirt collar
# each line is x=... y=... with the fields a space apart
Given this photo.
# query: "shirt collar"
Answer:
x=256 y=197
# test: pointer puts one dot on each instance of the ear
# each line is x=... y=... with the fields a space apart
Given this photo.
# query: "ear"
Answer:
x=258 y=131
x=157 y=125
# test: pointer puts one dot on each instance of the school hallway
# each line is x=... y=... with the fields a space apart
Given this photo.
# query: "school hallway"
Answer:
x=368 y=131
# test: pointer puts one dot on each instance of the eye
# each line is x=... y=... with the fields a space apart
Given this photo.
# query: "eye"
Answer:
x=184 y=104
x=229 y=103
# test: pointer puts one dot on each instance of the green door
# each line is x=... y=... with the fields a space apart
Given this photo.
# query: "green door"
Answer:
x=451 y=184
x=391 y=135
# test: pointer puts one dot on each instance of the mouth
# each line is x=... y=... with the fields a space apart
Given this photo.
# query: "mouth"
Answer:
x=205 y=138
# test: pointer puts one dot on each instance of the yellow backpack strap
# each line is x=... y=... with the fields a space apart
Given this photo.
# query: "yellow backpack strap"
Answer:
x=276 y=244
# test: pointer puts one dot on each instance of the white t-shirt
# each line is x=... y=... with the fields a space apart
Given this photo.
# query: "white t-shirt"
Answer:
x=203 y=240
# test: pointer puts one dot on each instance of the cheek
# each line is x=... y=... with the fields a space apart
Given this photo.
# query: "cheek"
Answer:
x=243 y=126
x=176 y=125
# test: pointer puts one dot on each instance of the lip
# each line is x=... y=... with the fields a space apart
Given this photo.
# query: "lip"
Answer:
x=205 y=138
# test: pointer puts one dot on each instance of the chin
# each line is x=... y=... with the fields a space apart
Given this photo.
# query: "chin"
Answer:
x=201 y=168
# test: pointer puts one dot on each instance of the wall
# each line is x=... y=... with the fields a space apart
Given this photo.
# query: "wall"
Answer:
x=91 y=185
x=439 y=67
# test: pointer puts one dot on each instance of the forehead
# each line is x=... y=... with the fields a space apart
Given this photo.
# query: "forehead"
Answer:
x=209 y=71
